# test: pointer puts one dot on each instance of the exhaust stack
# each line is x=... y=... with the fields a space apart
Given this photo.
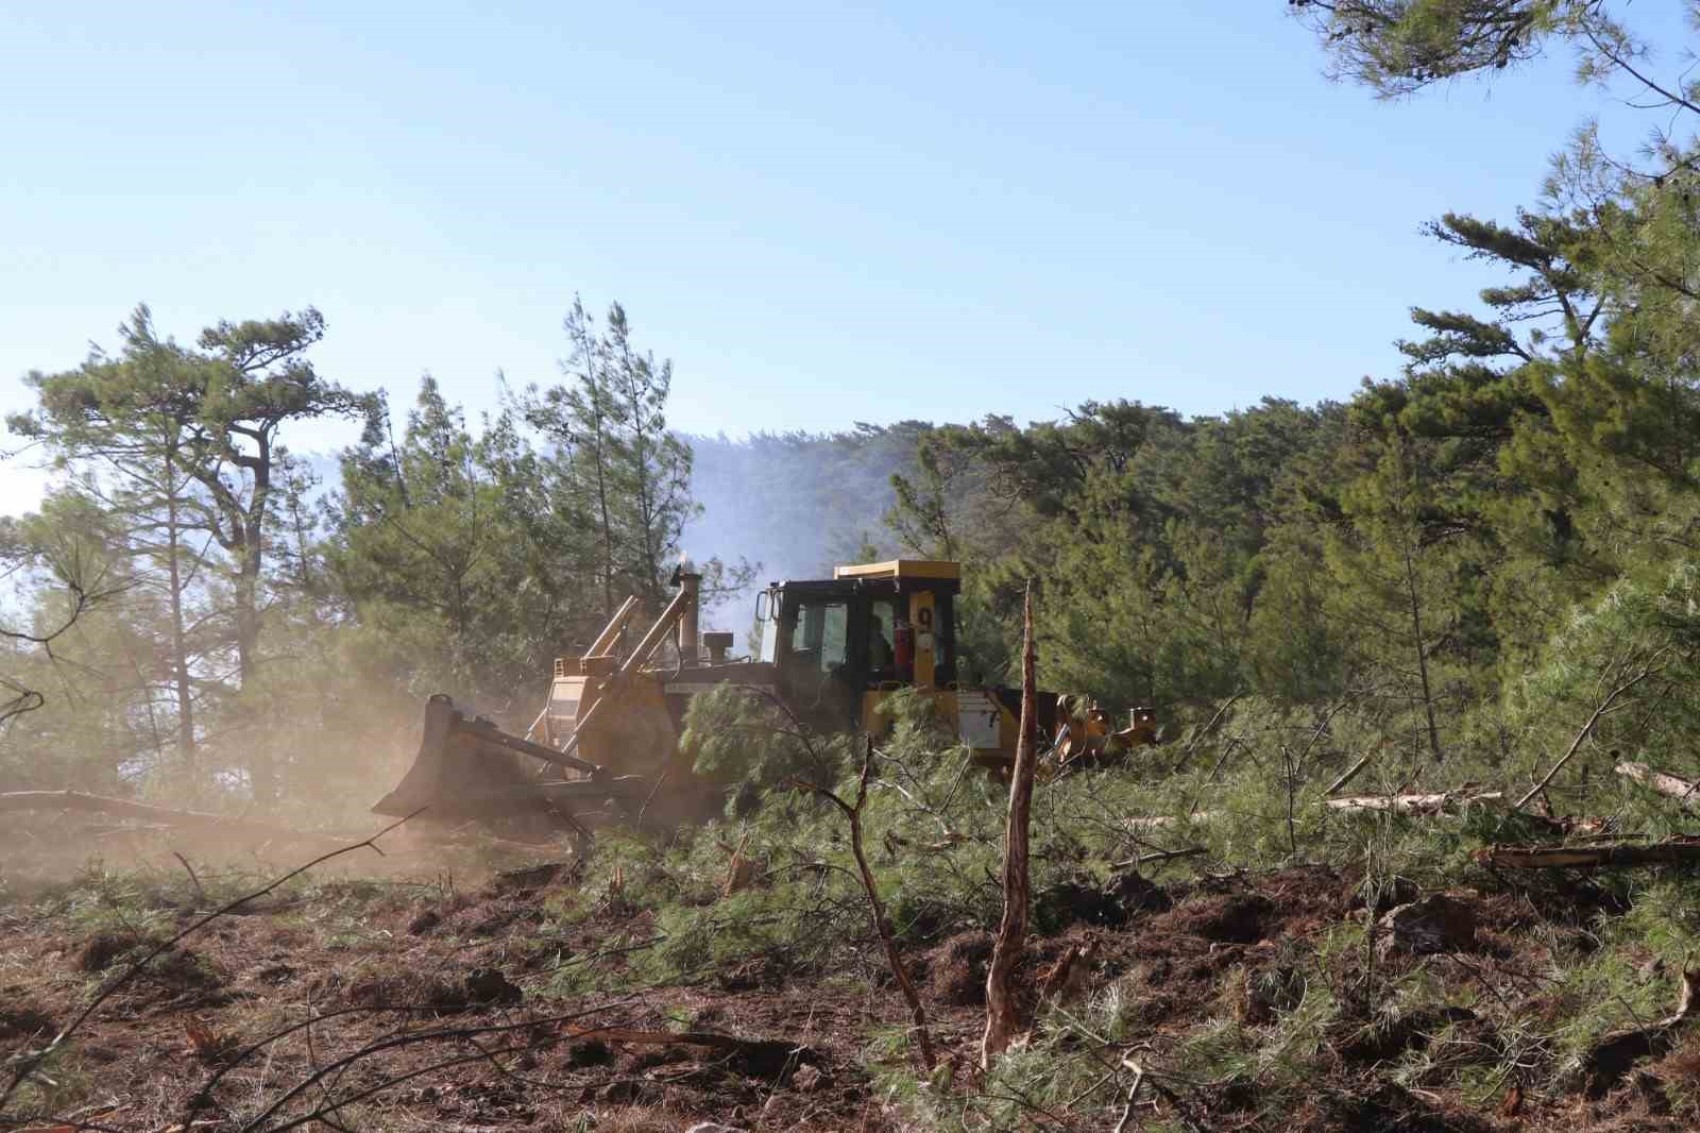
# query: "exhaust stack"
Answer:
x=690 y=587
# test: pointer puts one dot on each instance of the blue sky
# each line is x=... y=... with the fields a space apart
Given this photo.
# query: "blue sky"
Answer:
x=823 y=213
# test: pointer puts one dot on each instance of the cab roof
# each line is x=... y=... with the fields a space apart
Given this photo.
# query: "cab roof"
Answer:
x=901 y=568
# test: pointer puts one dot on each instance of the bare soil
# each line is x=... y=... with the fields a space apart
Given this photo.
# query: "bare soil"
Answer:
x=452 y=984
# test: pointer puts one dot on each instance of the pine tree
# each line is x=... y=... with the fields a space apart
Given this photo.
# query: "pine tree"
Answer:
x=186 y=442
x=126 y=427
x=462 y=551
x=632 y=476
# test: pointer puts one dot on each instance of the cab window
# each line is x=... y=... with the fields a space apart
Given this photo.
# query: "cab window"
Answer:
x=882 y=638
x=820 y=634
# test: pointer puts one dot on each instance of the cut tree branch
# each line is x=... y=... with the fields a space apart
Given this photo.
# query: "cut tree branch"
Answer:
x=1582 y=733
x=1416 y=804
x=1349 y=774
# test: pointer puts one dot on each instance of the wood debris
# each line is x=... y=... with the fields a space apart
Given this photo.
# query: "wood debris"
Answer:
x=1682 y=790
x=1672 y=851
x=1442 y=803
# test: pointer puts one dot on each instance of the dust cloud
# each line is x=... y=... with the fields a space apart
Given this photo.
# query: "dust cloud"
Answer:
x=210 y=834
x=793 y=506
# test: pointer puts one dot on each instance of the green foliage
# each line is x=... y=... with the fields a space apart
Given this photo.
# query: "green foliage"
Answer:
x=464 y=564
x=626 y=476
x=741 y=738
x=1399 y=46
x=172 y=457
x=193 y=618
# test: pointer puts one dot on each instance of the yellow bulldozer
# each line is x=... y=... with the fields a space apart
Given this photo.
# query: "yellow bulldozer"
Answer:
x=605 y=746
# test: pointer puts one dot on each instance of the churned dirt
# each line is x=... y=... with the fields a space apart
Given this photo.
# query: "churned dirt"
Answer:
x=447 y=974
x=442 y=1003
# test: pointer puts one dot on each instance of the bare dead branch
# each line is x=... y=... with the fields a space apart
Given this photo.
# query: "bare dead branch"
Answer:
x=398 y=1041
x=1209 y=727
x=876 y=908
x=1348 y=775
x=200 y=893
x=1002 y=1008
x=1132 y=1093
x=1587 y=728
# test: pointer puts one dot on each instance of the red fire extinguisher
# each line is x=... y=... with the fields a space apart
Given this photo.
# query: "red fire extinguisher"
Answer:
x=903 y=649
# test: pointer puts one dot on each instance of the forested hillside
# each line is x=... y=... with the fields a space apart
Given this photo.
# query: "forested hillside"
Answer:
x=1467 y=557
x=795 y=505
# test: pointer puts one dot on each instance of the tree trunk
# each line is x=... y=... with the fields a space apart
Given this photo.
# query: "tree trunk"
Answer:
x=607 y=522
x=262 y=765
x=186 y=753
x=642 y=473
x=300 y=524
x=1002 y=1010
x=1422 y=653
x=250 y=564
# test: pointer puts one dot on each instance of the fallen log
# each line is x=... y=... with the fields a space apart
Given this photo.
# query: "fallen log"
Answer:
x=762 y=1058
x=1431 y=804
x=1682 y=790
x=13 y=801
x=1672 y=851
x=1416 y=804
x=1145 y=823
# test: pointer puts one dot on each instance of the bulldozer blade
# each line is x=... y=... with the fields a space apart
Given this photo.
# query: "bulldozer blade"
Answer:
x=460 y=773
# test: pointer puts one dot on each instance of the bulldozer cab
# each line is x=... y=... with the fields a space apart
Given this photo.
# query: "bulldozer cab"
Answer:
x=838 y=648
x=841 y=645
